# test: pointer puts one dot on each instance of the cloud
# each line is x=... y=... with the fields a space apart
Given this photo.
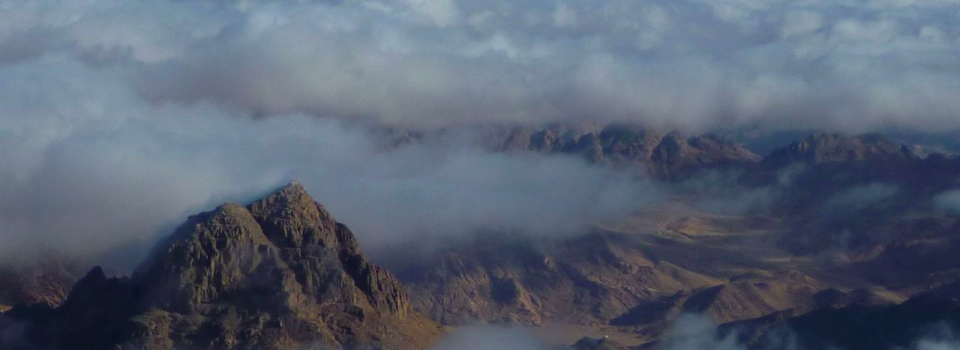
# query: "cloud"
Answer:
x=948 y=201
x=686 y=332
x=820 y=64
x=94 y=166
x=492 y=338
x=698 y=331
x=121 y=117
x=695 y=332
x=724 y=192
x=938 y=344
x=859 y=198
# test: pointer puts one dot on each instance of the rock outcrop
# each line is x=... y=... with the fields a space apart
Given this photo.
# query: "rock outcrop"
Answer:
x=280 y=273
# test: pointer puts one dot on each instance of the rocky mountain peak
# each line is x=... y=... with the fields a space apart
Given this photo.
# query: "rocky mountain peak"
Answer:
x=280 y=273
x=292 y=202
x=291 y=218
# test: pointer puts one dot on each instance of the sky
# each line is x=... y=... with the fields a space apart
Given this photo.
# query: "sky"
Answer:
x=118 y=118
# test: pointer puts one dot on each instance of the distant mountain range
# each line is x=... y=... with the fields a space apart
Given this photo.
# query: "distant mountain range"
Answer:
x=852 y=242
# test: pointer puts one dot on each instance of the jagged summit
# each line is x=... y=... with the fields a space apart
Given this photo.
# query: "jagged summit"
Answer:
x=293 y=197
x=279 y=273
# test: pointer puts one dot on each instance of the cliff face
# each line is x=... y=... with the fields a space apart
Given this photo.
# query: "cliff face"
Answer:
x=280 y=273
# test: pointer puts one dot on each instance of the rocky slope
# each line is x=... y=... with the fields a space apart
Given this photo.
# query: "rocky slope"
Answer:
x=743 y=297
x=634 y=279
x=47 y=281
x=587 y=280
x=280 y=273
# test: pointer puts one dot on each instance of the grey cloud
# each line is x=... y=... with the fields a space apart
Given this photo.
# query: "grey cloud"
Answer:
x=821 y=64
x=948 y=201
x=724 y=192
x=698 y=332
x=121 y=117
x=94 y=166
x=695 y=332
x=938 y=343
x=860 y=197
x=686 y=332
x=482 y=337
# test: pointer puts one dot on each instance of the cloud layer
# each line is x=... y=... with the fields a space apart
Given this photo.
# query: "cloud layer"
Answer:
x=691 y=64
x=118 y=117
x=95 y=166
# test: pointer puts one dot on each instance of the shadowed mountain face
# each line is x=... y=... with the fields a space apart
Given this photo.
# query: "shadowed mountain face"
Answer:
x=825 y=162
x=280 y=273
x=865 y=195
x=835 y=148
x=880 y=327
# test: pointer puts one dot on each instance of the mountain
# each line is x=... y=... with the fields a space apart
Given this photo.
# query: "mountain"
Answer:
x=280 y=273
x=585 y=280
x=850 y=222
x=668 y=156
x=828 y=161
x=46 y=281
x=745 y=297
x=629 y=280
x=854 y=327
x=857 y=194
x=833 y=148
